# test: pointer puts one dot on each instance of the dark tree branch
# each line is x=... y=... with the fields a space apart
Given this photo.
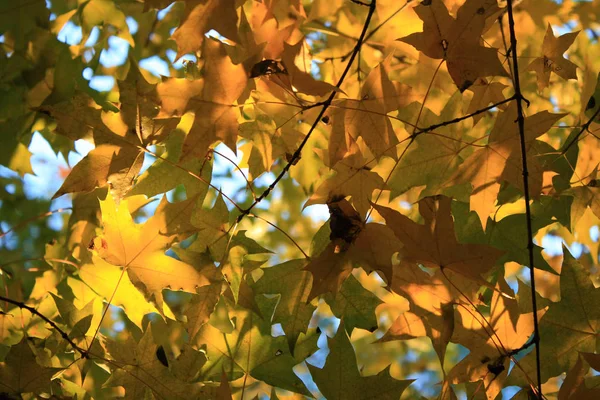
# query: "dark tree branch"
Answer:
x=521 y=122
x=296 y=156
x=456 y=120
x=84 y=353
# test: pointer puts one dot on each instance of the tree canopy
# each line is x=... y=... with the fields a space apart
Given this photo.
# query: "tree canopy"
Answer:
x=331 y=199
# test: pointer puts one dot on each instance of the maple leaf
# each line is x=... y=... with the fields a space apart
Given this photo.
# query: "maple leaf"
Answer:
x=329 y=270
x=552 y=59
x=458 y=40
x=109 y=282
x=352 y=242
x=583 y=197
x=340 y=377
x=262 y=37
x=142 y=372
x=204 y=301
x=139 y=107
x=211 y=98
x=439 y=275
x=106 y=164
x=500 y=160
x=484 y=94
x=432 y=298
x=354 y=304
x=302 y=81
x=200 y=16
x=20 y=373
x=434 y=244
x=261 y=132
x=491 y=340
x=293 y=310
x=574 y=386
x=167 y=172
x=509 y=235
x=78 y=320
x=568 y=326
x=139 y=250
x=249 y=350
x=432 y=157
x=367 y=117
x=116 y=159
x=353 y=178
x=212 y=225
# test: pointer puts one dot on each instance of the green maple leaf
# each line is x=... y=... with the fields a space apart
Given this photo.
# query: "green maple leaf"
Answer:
x=212 y=225
x=250 y=349
x=355 y=305
x=293 y=310
x=141 y=371
x=20 y=373
x=341 y=379
x=167 y=172
x=204 y=301
x=78 y=320
x=433 y=156
x=510 y=235
x=569 y=326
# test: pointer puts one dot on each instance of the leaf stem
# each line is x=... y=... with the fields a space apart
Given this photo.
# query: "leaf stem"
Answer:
x=521 y=122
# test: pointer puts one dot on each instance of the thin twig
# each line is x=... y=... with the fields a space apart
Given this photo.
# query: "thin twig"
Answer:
x=521 y=122
x=239 y=169
x=282 y=231
x=584 y=127
x=413 y=136
x=21 y=261
x=502 y=350
x=382 y=23
x=196 y=176
x=27 y=221
x=296 y=156
x=459 y=119
x=84 y=353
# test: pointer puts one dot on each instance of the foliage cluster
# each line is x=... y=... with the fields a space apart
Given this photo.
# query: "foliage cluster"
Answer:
x=448 y=140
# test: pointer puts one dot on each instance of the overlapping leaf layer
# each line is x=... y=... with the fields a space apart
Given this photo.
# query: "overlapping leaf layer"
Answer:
x=299 y=199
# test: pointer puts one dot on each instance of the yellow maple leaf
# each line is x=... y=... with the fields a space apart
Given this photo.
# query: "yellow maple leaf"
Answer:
x=458 y=40
x=211 y=99
x=200 y=17
x=552 y=59
x=140 y=249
